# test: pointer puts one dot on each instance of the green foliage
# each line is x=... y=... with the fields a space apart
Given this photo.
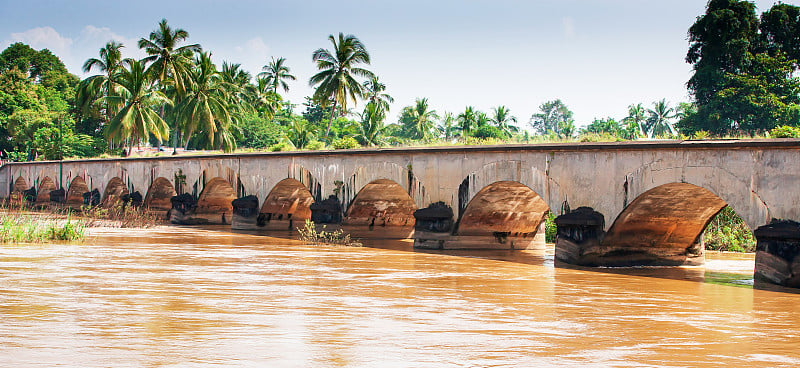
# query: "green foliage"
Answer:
x=600 y=137
x=315 y=145
x=553 y=116
x=258 y=132
x=700 y=134
x=310 y=235
x=550 y=228
x=785 y=131
x=282 y=146
x=15 y=228
x=489 y=131
x=728 y=232
x=345 y=143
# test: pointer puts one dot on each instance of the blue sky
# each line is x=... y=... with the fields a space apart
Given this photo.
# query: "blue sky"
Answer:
x=598 y=56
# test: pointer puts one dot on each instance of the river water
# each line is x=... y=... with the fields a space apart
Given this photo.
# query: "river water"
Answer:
x=182 y=297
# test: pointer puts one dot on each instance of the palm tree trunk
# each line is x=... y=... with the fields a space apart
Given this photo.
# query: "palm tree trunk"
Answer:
x=333 y=113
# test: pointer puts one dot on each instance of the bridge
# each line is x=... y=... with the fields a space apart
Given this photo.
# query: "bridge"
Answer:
x=618 y=204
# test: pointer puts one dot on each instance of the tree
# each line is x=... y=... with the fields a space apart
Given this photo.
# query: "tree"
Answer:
x=275 y=75
x=97 y=86
x=780 y=31
x=447 y=127
x=300 y=133
x=206 y=107
x=658 y=121
x=604 y=126
x=467 y=121
x=371 y=125
x=418 y=120
x=555 y=117
x=635 y=121
x=136 y=119
x=374 y=93
x=336 y=81
x=503 y=120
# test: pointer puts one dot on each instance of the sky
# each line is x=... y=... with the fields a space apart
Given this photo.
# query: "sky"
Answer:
x=597 y=56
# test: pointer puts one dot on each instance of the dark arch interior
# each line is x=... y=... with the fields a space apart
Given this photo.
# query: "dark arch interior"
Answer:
x=20 y=185
x=75 y=193
x=288 y=199
x=216 y=197
x=665 y=222
x=159 y=195
x=114 y=191
x=503 y=207
x=381 y=202
x=45 y=187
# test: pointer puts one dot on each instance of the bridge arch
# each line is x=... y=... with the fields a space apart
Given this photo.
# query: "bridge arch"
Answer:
x=402 y=176
x=517 y=171
x=46 y=185
x=20 y=185
x=159 y=194
x=663 y=226
x=381 y=202
x=288 y=199
x=509 y=208
x=216 y=197
x=114 y=191
x=75 y=192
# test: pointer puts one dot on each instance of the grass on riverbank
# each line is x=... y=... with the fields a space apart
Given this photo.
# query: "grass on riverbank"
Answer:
x=16 y=228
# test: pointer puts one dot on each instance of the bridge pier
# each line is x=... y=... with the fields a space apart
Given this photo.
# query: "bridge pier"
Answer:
x=777 y=253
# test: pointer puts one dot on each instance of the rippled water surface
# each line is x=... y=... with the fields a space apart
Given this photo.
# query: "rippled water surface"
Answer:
x=179 y=297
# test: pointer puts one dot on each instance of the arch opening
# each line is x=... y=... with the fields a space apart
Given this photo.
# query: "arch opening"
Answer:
x=20 y=185
x=662 y=226
x=46 y=186
x=382 y=202
x=289 y=199
x=75 y=192
x=216 y=197
x=115 y=189
x=503 y=208
x=159 y=194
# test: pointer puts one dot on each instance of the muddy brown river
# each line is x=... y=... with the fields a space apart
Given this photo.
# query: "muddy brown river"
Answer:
x=183 y=297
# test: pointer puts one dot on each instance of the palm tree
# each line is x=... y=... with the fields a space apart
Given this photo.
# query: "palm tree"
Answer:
x=336 y=81
x=136 y=120
x=276 y=73
x=658 y=123
x=300 y=133
x=447 y=127
x=418 y=120
x=205 y=108
x=263 y=99
x=467 y=121
x=97 y=86
x=635 y=120
x=170 y=63
x=374 y=93
x=371 y=126
x=502 y=119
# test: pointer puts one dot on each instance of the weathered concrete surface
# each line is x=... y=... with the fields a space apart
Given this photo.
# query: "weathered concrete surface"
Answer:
x=777 y=253
x=755 y=177
x=75 y=192
x=46 y=185
x=112 y=195
x=159 y=194
x=381 y=203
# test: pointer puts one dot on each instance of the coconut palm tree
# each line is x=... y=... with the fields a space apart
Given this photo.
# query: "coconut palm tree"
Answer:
x=503 y=120
x=374 y=93
x=300 y=133
x=658 y=123
x=336 y=80
x=371 y=128
x=447 y=128
x=418 y=120
x=635 y=121
x=276 y=73
x=170 y=63
x=97 y=86
x=467 y=121
x=205 y=108
x=136 y=120
x=263 y=99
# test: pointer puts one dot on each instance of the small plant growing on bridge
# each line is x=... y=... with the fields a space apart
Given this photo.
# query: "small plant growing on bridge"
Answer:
x=310 y=235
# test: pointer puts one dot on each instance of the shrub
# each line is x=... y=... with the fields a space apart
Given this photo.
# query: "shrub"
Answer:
x=785 y=131
x=345 y=143
x=310 y=235
x=701 y=134
x=281 y=146
x=728 y=232
x=315 y=145
x=550 y=230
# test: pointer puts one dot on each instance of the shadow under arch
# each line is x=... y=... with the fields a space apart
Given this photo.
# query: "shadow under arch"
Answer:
x=159 y=194
x=402 y=177
x=382 y=202
x=75 y=192
x=46 y=185
x=288 y=199
x=662 y=226
x=215 y=200
x=503 y=207
x=114 y=191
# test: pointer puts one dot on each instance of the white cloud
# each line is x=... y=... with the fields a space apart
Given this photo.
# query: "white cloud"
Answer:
x=43 y=38
x=97 y=37
x=568 y=26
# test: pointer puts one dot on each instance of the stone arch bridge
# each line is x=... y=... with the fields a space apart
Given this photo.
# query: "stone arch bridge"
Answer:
x=632 y=203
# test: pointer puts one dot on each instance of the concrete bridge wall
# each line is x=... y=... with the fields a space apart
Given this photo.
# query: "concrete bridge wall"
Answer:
x=758 y=178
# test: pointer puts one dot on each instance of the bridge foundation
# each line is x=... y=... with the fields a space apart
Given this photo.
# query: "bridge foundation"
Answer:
x=777 y=253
